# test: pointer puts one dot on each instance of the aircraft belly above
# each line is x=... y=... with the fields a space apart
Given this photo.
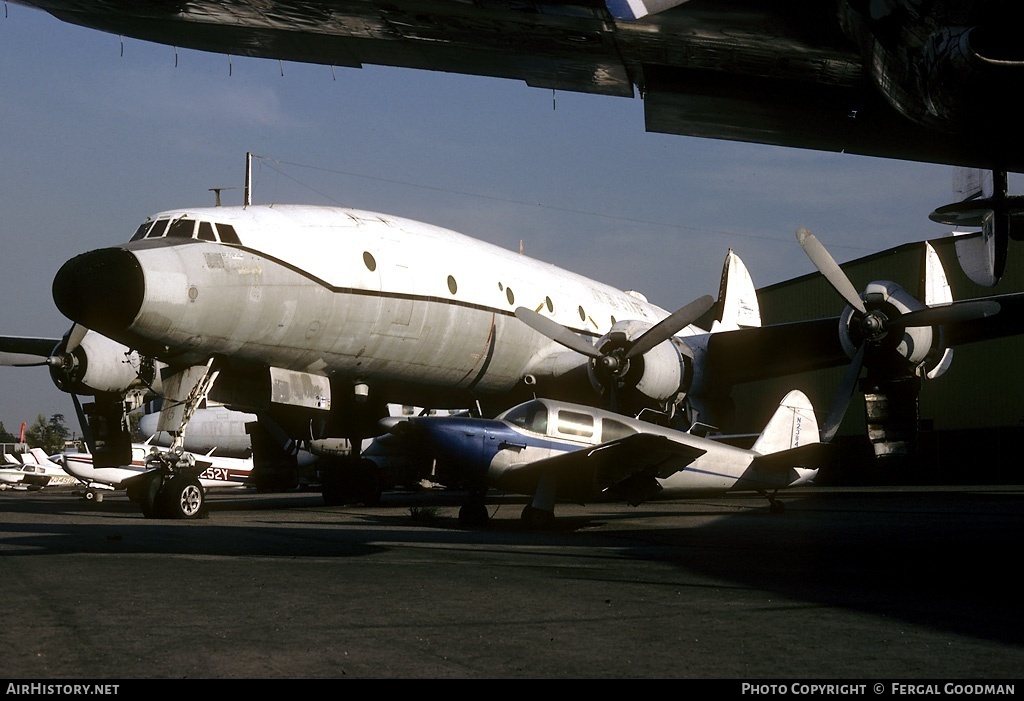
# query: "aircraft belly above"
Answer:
x=934 y=82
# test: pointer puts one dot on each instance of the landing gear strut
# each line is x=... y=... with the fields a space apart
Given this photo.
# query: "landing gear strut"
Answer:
x=774 y=505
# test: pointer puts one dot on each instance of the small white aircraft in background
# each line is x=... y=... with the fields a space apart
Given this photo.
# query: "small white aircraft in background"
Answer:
x=211 y=472
x=555 y=450
x=32 y=470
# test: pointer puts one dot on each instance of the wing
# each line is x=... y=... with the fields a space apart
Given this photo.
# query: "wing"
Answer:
x=788 y=72
x=627 y=468
x=764 y=352
x=747 y=355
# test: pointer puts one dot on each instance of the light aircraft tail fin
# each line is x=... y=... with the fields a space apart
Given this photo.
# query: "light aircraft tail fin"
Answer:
x=792 y=425
x=737 y=298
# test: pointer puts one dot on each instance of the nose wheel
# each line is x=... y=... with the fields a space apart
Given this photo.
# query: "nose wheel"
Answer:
x=170 y=495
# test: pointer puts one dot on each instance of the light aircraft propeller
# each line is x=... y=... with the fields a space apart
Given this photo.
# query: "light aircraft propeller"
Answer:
x=612 y=354
x=869 y=325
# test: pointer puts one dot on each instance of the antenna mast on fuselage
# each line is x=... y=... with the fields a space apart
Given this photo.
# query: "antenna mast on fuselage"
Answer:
x=248 y=179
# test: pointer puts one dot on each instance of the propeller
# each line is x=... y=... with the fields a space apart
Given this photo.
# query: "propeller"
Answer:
x=985 y=203
x=611 y=359
x=57 y=354
x=872 y=325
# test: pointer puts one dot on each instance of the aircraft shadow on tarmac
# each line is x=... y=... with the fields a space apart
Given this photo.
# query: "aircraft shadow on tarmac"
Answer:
x=946 y=559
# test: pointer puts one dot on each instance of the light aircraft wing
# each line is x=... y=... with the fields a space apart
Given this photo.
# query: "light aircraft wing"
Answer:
x=911 y=81
x=631 y=463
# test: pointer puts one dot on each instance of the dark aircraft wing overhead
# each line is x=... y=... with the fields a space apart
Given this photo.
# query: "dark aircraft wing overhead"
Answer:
x=940 y=85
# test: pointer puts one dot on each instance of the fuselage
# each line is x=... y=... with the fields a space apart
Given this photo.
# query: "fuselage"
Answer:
x=340 y=293
x=216 y=471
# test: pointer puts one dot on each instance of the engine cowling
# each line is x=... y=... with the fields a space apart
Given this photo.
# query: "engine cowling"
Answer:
x=942 y=65
x=98 y=365
x=898 y=349
x=658 y=377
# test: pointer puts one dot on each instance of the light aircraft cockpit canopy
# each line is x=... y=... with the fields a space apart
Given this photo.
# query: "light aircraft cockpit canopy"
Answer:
x=536 y=416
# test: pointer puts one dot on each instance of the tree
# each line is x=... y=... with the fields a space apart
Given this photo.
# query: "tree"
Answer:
x=6 y=436
x=48 y=435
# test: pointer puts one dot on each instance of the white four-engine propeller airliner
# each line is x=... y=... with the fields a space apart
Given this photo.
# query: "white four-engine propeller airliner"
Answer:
x=314 y=318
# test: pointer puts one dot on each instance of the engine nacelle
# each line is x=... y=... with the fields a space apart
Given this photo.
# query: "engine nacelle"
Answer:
x=942 y=66
x=99 y=365
x=655 y=378
x=910 y=348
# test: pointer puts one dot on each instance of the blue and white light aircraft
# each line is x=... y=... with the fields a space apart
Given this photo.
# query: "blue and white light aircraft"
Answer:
x=554 y=450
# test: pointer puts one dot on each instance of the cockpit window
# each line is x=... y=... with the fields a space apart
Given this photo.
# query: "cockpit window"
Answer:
x=158 y=229
x=181 y=229
x=185 y=228
x=227 y=234
x=141 y=231
x=573 y=423
x=206 y=232
x=533 y=416
x=612 y=430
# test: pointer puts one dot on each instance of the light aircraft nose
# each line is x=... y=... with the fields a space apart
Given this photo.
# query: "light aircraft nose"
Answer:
x=102 y=290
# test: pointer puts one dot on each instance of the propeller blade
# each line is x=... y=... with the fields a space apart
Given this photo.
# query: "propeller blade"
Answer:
x=75 y=336
x=949 y=313
x=21 y=351
x=828 y=267
x=842 y=399
x=556 y=332
x=670 y=326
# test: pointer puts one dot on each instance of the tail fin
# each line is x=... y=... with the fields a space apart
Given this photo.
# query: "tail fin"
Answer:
x=737 y=298
x=936 y=291
x=792 y=425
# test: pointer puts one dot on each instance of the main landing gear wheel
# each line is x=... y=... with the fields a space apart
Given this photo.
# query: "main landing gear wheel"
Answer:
x=537 y=519
x=347 y=483
x=473 y=515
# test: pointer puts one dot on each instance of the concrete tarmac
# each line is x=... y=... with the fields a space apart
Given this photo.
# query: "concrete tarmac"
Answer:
x=863 y=584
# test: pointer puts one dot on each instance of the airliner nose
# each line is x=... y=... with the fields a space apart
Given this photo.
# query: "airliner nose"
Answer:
x=102 y=290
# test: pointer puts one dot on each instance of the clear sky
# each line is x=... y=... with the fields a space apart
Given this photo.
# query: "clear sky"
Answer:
x=96 y=133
